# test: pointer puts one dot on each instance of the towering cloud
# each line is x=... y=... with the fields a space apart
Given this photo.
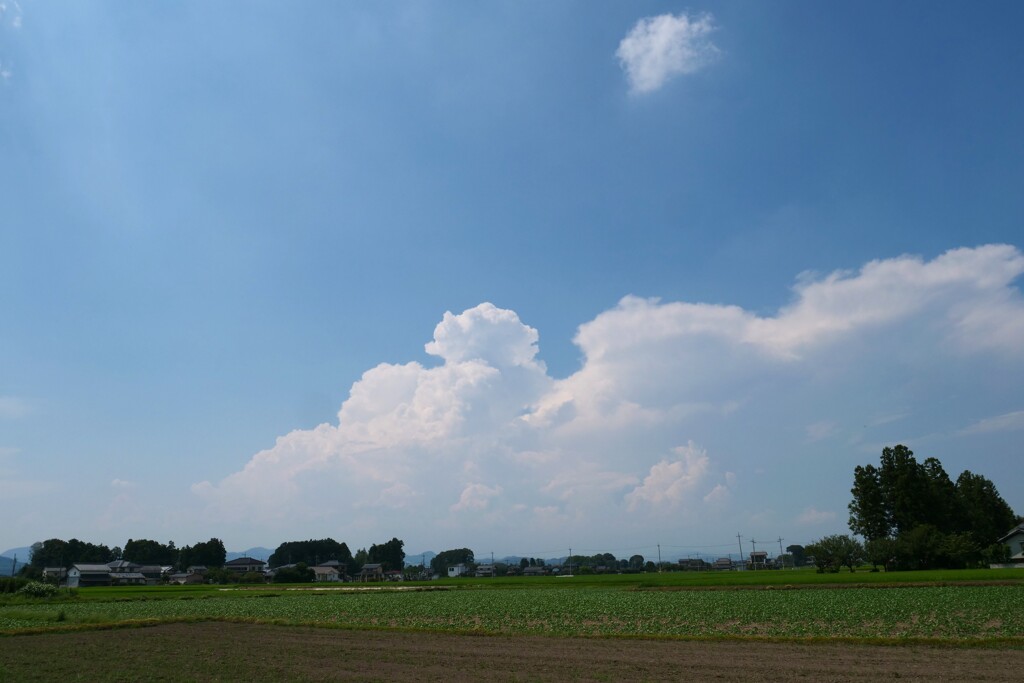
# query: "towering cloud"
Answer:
x=664 y=418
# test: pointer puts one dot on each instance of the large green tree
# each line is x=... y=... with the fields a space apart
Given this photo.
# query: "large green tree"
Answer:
x=831 y=553
x=146 y=551
x=449 y=558
x=312 y=553
x=914 y=516
x=209 y=554
x=985 y=515
x=869 y=516
x=55 y=552
x=391 y=554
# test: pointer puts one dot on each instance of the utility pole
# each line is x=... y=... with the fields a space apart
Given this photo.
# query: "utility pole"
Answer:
x=738 y=540
x=15 y=564
x=780 y=553
x=659 y=558
x=570 y=560
x=753 y=552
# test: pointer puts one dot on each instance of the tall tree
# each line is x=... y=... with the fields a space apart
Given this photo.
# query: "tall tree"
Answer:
x=986 y=516
x=391 y=554
x=311 y=552
x=146 y=551
x=904 y=488
x=868 y=513
x=209 y=554
x=55 y=552
x=942 y=510
x=448 y=558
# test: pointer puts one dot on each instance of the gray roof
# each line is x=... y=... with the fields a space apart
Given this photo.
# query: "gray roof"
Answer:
x=121 y=564
x=1019 y=529
x=243 y=561
x=93 y=568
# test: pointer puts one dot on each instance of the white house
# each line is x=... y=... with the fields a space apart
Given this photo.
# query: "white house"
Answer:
x=1015 y=541
x=457 y=570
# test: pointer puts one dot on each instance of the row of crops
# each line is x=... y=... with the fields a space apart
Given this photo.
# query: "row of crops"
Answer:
x=947 y=612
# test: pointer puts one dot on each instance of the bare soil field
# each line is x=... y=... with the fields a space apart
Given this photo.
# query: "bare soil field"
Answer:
x=216 y=651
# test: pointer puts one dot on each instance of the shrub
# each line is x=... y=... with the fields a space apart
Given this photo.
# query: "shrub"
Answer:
x=38 y=589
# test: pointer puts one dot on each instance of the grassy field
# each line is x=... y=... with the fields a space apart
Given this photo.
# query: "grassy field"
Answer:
x=966 y=607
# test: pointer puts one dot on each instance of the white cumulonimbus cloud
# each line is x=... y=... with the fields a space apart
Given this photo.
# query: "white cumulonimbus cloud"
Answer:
x=658 y=48
x=487 y=437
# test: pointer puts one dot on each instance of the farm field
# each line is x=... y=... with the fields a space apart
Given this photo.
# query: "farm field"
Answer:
x=829 y=631
x=230 y=651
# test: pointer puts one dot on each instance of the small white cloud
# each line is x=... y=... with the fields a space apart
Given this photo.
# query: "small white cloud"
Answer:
x=399 y=495
x=718 y=495
x=475 y=497
x=10 y=13
x=820 y=430
x=671 y=482
x=658 y=48
x=814 y=516
x=12 y=407
x=122 y=484
x=1007 y=422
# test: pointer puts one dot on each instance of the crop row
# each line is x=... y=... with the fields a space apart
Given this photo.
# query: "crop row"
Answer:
x=952 y=612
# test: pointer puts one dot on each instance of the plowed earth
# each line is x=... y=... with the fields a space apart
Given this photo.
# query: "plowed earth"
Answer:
x=213 y=651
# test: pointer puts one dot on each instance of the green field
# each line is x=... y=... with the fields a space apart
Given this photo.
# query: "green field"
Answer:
x=979 y=608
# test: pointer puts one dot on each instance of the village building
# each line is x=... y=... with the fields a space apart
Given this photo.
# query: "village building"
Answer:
x=246 y=565
x=1014 y=540
x=372 y=572
x=86 y=575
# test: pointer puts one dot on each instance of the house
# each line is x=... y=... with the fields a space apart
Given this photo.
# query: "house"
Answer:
x=372 y=572
x=724 y=563
x=152 y=573
x=486 y=570
x=694 y=565
x=58 y=575
x=86 y=575
x=323 y=574
x=1015 y=541
x=758 y=560
x=187 y=579
x=127 y=579
x=245 y=565
x=121 y=566
x=457 y=570
x=535 y=571
x=337 y=566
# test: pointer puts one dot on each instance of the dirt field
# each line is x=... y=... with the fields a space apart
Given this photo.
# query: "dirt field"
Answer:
x=222 y=652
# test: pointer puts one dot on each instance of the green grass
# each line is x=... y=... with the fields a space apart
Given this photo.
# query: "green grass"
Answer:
x=952 y=608
x=798 y=577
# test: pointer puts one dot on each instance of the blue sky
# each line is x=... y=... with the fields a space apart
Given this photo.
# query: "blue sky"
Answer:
x=700 y=261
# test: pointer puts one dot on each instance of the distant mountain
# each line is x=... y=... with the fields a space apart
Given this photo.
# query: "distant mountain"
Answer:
x=22 y=553
x=257 y=553
x=5 y=566
x=414 y=559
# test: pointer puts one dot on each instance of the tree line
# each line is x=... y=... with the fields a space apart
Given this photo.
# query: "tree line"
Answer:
x=912 y=515
x=56 y=552
x=301 y=555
